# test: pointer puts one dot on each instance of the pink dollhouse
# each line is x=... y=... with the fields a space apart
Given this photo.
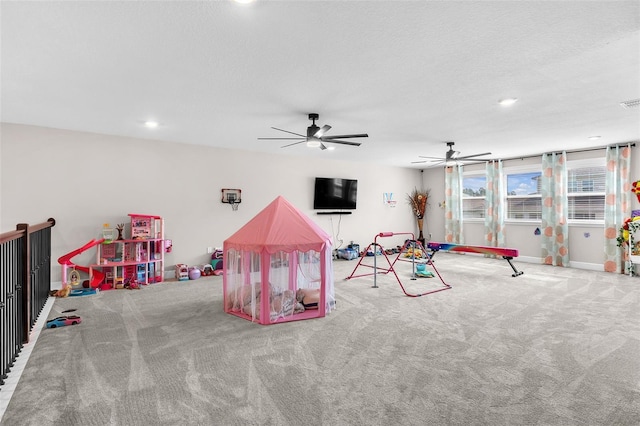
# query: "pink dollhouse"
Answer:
x=278 y=267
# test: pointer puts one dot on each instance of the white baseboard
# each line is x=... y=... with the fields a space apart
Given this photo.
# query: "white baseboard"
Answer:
x=529 y=259
x=588 y=266
x=572 y=264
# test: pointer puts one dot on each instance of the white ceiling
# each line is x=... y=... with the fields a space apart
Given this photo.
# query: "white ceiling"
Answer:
x=410 y=74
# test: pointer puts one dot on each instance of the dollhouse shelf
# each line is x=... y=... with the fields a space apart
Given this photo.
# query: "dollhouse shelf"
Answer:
x=139 y=260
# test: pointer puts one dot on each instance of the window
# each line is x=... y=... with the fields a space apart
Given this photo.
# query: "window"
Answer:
x=523 y=195
x=585 y=189
x=585 y=192
x=473 y=193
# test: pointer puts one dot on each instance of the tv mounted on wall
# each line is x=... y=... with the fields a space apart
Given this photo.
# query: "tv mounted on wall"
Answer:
x=335 y=194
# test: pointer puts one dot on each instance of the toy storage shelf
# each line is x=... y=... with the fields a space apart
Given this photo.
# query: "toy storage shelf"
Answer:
x=139 y=259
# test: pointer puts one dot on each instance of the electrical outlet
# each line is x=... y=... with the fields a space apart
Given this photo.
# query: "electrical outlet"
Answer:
x=209 y=250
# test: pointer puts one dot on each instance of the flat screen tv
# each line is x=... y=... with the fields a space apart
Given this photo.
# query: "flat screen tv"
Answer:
x=335 y=194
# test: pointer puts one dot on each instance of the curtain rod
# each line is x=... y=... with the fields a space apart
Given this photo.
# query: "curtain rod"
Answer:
x=631 y=144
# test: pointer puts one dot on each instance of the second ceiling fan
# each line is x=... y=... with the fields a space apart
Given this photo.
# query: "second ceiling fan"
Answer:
x=452 y=157
x=315 y=137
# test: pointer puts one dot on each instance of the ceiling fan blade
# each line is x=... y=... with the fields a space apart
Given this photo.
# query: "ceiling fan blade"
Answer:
x=322 y=146
x=359 y=135
x=435 y=158
x=341 y=142
x=291 y=144
x=431 y=163
x=468 y=157
x=277 y=139
x=286 y=131
x=324 y=129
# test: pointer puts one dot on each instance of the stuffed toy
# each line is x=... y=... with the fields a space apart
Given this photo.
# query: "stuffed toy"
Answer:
x=308 y=297
x=63 y=292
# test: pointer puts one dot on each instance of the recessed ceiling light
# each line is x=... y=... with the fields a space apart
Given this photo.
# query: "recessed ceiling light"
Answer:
x=593 y=138
x=244 y=1
x=151 y=124
x=508 y=101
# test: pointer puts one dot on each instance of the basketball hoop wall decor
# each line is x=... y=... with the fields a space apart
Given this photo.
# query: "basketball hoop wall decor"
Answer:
x=232 y=196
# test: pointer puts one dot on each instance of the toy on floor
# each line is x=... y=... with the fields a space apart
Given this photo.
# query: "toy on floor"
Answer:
x=132 y=284
x=216 y=261
x=308 y=297
x=373 y=250
x=414 y=251
x=63 y=292
x=83 y=292
x=64 y=320
x=347 y=254
x=422 y=272
x=217 y=265
x=182 y=272
x=194 y=273
x=207 y=270
x=217 y=253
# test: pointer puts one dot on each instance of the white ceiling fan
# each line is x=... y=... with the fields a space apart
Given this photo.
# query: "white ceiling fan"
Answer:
x=315 y=137
x=452 y=157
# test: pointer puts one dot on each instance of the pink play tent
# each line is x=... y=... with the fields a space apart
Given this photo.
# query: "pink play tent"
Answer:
x=278 y=267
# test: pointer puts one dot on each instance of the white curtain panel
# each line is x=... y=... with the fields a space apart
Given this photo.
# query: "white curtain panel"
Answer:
x=453 y=204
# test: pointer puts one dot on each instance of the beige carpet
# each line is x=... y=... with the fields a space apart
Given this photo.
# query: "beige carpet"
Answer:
x=555 y=346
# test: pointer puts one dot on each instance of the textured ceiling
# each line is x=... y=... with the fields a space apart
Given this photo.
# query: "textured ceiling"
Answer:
x=410 y=74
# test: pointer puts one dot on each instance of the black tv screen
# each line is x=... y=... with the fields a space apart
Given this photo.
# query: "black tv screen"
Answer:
x=335 y=193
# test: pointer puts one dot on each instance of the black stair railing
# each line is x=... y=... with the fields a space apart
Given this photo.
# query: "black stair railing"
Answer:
x=25 y=283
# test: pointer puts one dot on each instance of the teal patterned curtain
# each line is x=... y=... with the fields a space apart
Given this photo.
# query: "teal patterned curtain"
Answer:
x=494 y=206
x=453 y=204
x=617 y=205
x=555 y=207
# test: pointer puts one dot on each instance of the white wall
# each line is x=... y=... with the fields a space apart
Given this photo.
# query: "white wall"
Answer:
x=84 y=180
x=433 y=180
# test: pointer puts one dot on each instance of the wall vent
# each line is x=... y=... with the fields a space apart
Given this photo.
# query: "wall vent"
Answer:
x=630 y=104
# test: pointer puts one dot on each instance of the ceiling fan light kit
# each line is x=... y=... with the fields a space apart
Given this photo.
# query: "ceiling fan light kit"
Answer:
x=316 y=138
x=313 y=143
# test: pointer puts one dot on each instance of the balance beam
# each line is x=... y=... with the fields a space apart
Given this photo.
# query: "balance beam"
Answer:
x=506 y=253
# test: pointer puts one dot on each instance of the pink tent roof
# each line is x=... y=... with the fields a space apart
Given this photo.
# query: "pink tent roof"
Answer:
x=279 y=227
